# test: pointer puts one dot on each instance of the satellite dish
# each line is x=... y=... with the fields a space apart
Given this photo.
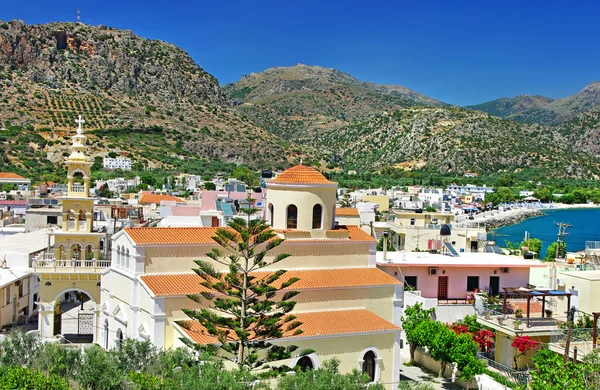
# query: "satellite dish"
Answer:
x=259 y=204
x=560 y=282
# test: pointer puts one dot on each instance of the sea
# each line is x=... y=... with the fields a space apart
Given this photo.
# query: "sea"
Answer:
x=586 y=227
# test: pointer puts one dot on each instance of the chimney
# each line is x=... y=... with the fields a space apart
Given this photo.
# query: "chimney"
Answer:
x=385 y=244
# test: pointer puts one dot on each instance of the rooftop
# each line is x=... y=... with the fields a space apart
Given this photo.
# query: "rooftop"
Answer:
x=31 y=242
x=10 y=175
x=465 y=259
x=189 y=283
x=314 y=324
x=203 y=235
x=300 y=174
x=346 y=212
x=154 y=198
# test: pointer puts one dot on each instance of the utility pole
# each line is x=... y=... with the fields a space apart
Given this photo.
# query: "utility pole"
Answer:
x=570 y=319
x=78 y=15
x=562 y=237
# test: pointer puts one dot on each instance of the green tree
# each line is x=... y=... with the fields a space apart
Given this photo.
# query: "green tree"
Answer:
x=26 y=378
x=346 y=202
x=534 y=245
x=551 y=373
x=390 y=247
x=552 y=250
x=440 y=341
x=415 y=315
x=100 y=370
x=579 y=196
x=253 y=310
x=209 y=186
x=544 y=195
x=245 y=174
x=431 y=209
x=326 y=377
x=464 y=353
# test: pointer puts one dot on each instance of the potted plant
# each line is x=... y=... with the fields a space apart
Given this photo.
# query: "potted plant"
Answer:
x=517 y=324
x=502 y=319
x=519 y=313
x=548 y=313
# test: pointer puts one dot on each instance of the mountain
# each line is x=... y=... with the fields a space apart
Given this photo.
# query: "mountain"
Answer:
x=51 y=73
x=297 y=101
x=543 y=110
x=451 y=139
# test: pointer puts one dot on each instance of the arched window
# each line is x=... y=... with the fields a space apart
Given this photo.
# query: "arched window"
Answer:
x=317 y=216
x=271 y=213
x=369 y=365
x=119 y=256
x=292 y=217
x=119 y=339
x=127 y=258
x=305 y=363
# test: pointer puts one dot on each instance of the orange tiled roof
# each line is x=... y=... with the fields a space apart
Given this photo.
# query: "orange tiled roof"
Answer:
x=203 y=235
x=10 y=175
x=346 y=212
x=355 y=233
x=300 y=174
x=322 y=323
x=157 y=235
x=189 y=283
x=155 y=198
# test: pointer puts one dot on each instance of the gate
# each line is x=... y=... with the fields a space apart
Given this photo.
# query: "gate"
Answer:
x=85 y=323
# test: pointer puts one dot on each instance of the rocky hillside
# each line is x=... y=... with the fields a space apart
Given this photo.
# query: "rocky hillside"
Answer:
x=450 y=139
x=51 y=73
x=301 y=100
x=543 y=110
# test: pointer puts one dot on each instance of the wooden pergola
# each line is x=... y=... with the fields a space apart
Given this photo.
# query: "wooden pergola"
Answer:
x=533 y=293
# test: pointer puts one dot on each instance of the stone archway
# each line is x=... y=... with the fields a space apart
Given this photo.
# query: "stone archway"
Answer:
x=75 y=315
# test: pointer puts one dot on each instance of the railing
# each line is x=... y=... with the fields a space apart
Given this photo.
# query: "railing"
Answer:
x=48 y=261
x=456 y=301
x=510 y=321
x=512 y=375
x=77 y=188
x=581 y=338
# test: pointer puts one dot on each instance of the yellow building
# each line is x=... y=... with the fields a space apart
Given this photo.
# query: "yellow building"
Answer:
x=383 y=201
x=74 y=262
x=348 y=307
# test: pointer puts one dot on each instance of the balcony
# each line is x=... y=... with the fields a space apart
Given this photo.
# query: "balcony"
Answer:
x=48 y=263
x=78 y=188
x=582 y=342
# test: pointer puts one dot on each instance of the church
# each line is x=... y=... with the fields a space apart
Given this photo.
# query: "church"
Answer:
x=349 y=309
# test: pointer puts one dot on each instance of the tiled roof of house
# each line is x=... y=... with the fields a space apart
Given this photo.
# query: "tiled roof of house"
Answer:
x=314 y=324
x=155 y=198
x=300 y=174
x=203 y=235
x=10 y=175
x=189 y=283
x=169 y=236
x=346 y=212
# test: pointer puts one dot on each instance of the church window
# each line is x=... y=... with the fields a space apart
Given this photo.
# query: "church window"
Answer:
x=292 y=217
x=369 y=365
x=317 y=216
x=271 y=215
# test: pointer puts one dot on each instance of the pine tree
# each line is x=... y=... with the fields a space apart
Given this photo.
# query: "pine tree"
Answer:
x=345 y=202
x=245 y=310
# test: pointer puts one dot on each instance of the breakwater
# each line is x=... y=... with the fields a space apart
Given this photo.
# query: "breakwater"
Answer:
x=511 y=217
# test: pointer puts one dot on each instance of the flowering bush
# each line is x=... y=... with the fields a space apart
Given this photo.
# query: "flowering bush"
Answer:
x=524 y=344
x=459 y=328
x=484 y=339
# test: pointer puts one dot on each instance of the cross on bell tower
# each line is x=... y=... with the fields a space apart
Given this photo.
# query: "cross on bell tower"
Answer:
x=80 y=123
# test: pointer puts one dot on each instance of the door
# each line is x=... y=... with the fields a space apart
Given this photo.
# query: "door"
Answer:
x=507 y=352
x=442 y=287
x=494 y=285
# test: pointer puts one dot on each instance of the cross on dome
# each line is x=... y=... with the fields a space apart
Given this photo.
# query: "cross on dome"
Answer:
x=79 y=122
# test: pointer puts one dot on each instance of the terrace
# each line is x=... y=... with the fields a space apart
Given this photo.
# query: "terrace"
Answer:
x=523 y=311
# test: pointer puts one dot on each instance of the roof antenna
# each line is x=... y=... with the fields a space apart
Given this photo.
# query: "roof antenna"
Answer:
x=78 y=15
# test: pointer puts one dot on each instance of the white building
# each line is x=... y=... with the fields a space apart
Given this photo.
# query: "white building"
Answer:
x=525 y=193
x=117 y=163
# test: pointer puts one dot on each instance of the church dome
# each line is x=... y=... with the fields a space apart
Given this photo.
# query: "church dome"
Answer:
x=301 y=174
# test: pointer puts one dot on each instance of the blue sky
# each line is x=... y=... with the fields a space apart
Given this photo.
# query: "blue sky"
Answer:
x=461 y=52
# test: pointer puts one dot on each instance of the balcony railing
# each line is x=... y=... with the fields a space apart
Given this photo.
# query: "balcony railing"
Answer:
x=516 y=324
x=581 y=338
x=48 y=261
x=512 y=375
x=77 y=188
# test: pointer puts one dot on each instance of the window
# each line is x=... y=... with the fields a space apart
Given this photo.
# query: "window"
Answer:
x=271 y=208
x=369 y=365
x=52 y=220
x=119 y=339
x=127 y=258
x=412 y=222
x=292 y=217
x=317 y=216
x=6 y=296
x=472 y=283
x=411 y=281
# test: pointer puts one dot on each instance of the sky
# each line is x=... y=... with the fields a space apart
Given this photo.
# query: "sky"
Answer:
x=460 y=52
